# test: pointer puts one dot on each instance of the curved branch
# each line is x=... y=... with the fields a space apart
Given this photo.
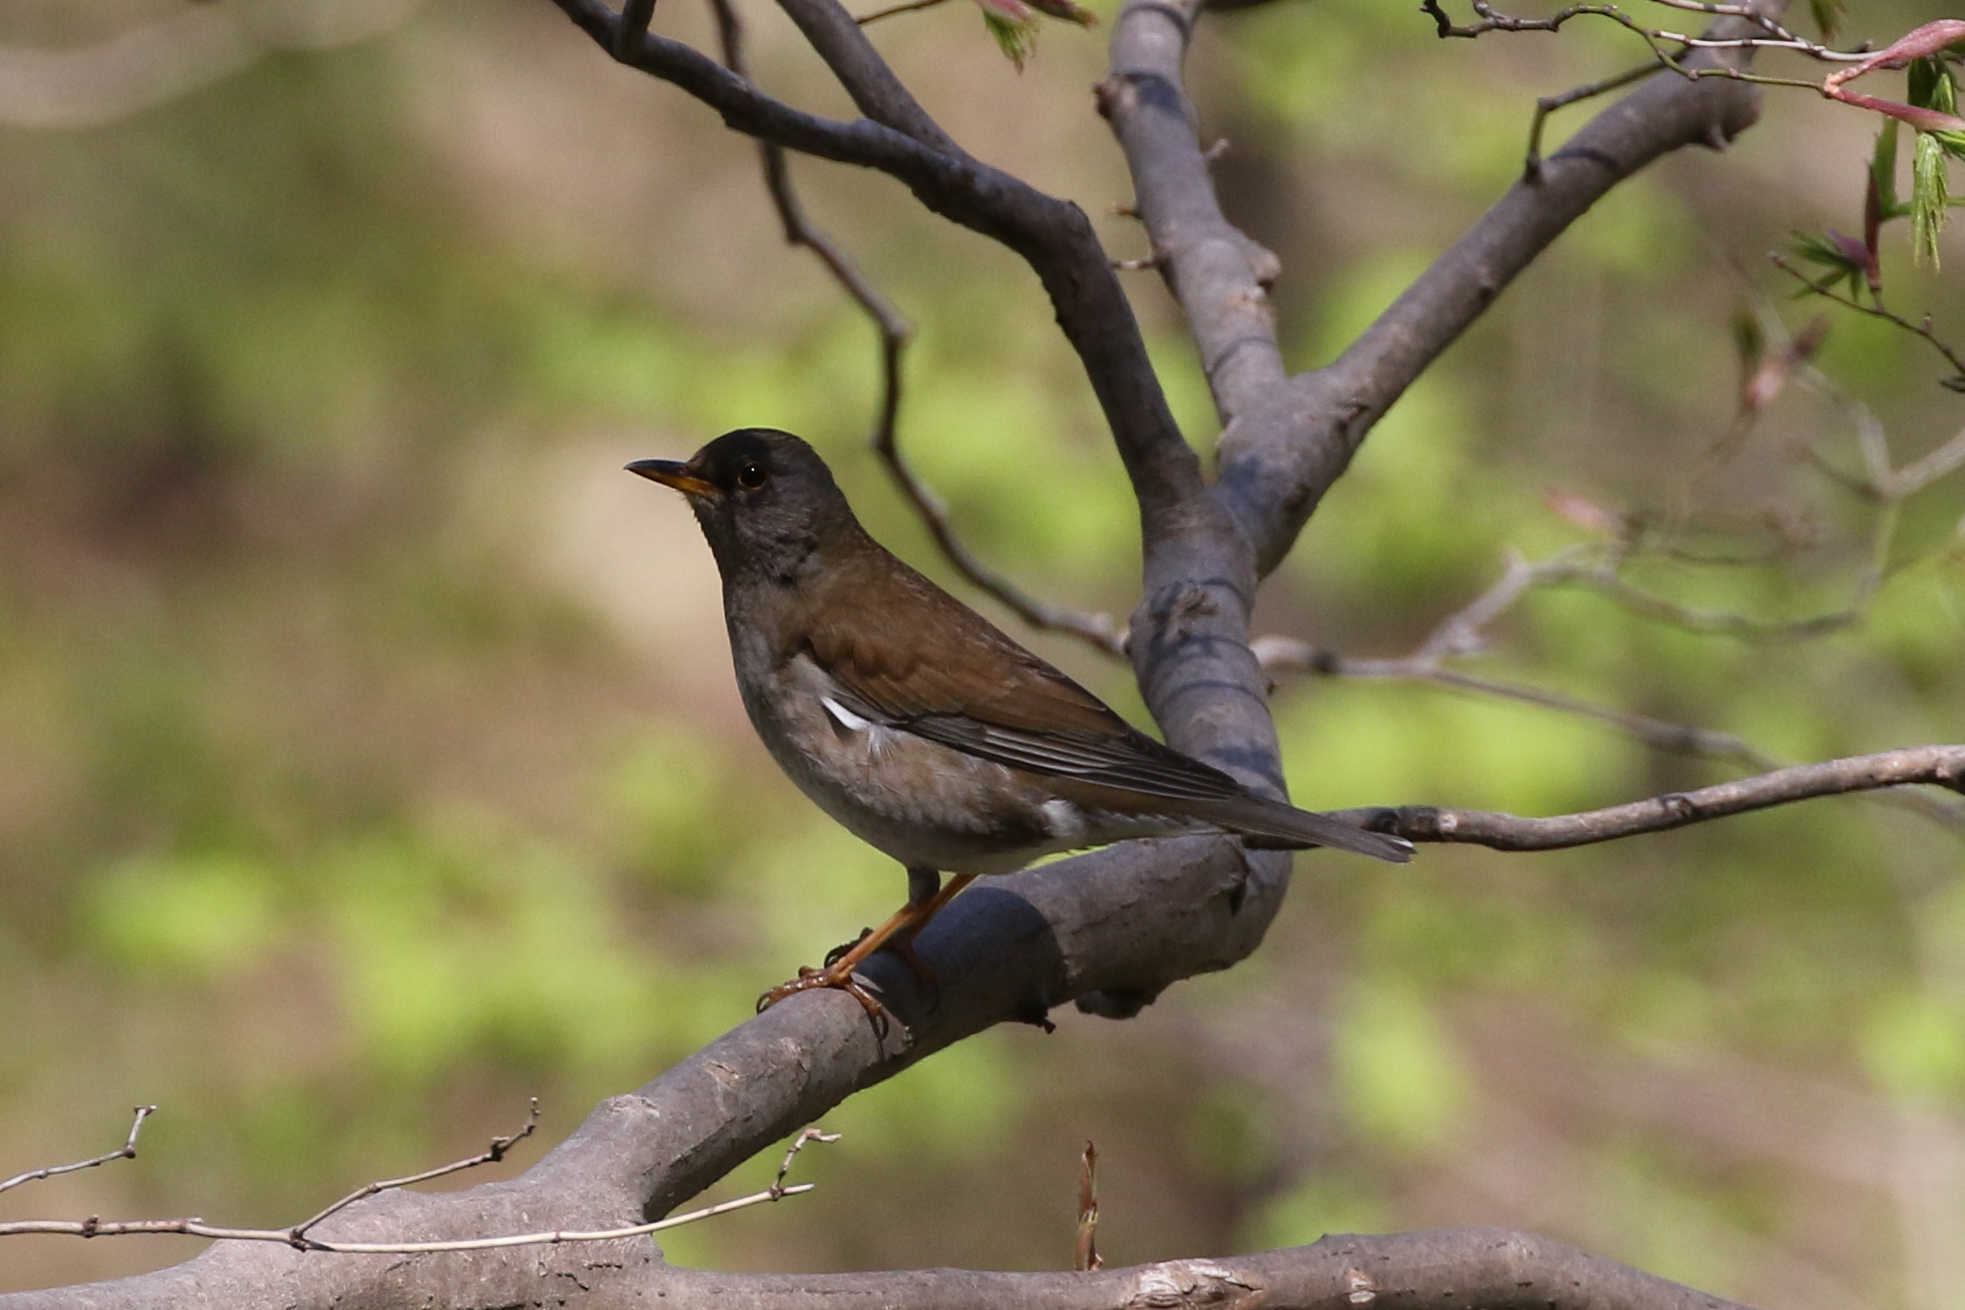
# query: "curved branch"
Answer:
x=1277 y=465
x=876 y=92
x=1942 y=766
x=1052 y=235
x=1284 y=441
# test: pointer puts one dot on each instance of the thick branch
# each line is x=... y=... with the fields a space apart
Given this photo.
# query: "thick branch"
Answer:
x=1943 y=766
x=1285 y=442
x=1451 y=1269
x=1276 y=469
x=1218 y=275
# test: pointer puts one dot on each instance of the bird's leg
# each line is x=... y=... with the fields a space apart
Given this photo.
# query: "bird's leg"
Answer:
x=926 y=895
x=902 y=941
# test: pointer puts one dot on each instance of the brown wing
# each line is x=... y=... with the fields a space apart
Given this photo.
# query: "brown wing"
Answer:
x=960 y=682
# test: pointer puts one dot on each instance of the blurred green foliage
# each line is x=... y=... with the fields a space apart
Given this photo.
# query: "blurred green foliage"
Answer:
x=344 y=804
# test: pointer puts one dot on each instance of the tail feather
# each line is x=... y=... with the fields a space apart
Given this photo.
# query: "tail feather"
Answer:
x=1293 y=829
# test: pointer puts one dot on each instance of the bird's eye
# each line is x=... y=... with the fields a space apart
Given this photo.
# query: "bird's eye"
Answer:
x=752 y=476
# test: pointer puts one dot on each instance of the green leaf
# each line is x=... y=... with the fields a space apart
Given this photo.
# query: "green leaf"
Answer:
x=1928 y=198
x=1838 y=257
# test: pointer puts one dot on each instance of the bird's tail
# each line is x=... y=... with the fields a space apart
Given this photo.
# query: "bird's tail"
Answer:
x=1277 y=826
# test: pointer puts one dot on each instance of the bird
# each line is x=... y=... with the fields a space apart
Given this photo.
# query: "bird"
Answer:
x=915 y=722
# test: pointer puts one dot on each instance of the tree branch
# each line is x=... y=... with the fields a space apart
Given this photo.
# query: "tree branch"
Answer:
x=1942 y=766
x=1052 y=235
x=127 y=1151
x=1274 y=470
x=876 y=92
x=1457 y=1269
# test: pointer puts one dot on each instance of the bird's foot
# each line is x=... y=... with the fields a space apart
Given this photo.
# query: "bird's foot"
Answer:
x=837 y=979
x=902 y=946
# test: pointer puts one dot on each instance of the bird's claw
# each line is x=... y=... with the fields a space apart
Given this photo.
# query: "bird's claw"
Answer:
x=810 y=979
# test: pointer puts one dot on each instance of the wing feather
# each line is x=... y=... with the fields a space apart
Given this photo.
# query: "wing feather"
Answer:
x=963 y=684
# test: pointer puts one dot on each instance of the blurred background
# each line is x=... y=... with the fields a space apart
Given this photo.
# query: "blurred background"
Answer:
x=370 y=760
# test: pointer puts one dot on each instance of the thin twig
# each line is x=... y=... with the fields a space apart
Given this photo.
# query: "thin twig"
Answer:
x=1657 y=39
x=1778 y=38
x=198 y=1228
x=1547 y=105
x=907 y=8
x=1098 y=630
x=297 y=1237
x=813 y=1134
x=490 y=1155
x=1659 y=734
x=1607 y=582
x=1878 y=311
x=1464 y=632
x=127 y=1151
x=1942 y=766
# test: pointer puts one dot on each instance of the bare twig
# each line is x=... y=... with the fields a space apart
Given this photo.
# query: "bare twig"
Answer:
x=1942 y=766
x=1464 y=632
x=791 y=1153
x=910 y=6
x=1878 y=311
x=1606 y=580
x=492 y=1154
x=1098 y=630
x=1777 y=38
x=93 y=1227
x=127 y=1151
x=297 y=1237
x=1547 y=105
x=1287 y=654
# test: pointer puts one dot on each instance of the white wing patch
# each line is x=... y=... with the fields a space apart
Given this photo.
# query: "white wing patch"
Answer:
x=844 y=718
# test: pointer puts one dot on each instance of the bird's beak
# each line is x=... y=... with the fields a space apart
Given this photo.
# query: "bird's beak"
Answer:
x=670 y=473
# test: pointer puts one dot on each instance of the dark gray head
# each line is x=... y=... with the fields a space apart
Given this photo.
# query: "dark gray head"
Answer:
x=765 y=499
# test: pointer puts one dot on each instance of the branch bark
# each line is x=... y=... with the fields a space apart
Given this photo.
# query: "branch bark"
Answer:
x=1286 y=439
x=1457 y=1269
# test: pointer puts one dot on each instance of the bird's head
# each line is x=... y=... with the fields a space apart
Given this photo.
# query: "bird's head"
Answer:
x=765 y=499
